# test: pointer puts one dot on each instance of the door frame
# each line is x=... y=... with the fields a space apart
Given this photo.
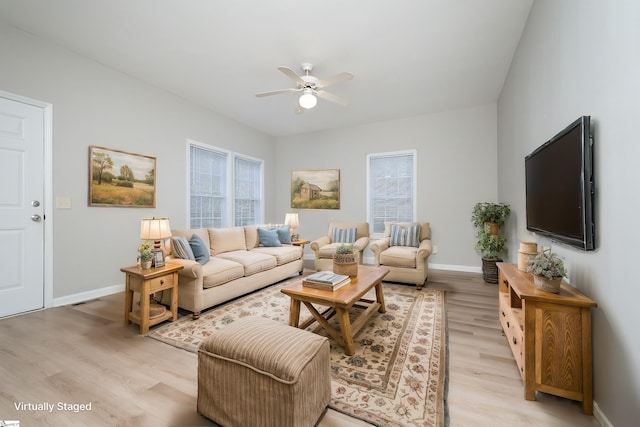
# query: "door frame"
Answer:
x=48 y=189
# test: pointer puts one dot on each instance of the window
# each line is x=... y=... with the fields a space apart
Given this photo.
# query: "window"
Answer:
x=247 y=177
x=391 y=188
x=225 y=188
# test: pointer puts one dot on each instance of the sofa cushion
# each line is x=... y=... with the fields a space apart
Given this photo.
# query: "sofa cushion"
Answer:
x=268 y=238
x=399 y=256
x=405 y=235
x=180 y=248
x=252 y=261
x=282 y=254
x=219 y=271
x=327 y=251
x=343 y=235
x=226 y=240
x=199 y=248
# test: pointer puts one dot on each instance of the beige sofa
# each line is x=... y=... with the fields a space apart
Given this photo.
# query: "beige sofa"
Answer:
x=407 y=264
x=237 y=266
x=324 y=247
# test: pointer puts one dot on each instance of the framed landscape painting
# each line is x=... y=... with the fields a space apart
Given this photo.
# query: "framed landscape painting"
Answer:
x=315 y=189
x=121 y=179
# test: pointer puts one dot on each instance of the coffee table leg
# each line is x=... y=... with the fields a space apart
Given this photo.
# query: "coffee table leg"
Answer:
x=380 y=298
x=294 y=312
x=345 y=328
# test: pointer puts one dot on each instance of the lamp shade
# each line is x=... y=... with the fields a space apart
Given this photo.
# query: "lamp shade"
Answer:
x=155 y=229
x=291 y=219
x=307 y=99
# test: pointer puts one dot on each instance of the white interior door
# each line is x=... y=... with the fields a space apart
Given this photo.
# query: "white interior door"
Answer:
x=21 y=207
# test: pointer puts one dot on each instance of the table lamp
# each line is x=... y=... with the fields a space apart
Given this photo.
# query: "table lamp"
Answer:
x=291 y=219
x=156 y=229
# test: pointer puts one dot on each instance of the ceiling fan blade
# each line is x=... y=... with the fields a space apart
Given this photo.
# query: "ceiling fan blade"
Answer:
x=342 y=77
x=292 y=75
x=331 y=97
x=277 y=92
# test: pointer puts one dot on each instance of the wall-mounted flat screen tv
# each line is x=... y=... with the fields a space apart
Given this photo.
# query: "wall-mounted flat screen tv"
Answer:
x=560 y=187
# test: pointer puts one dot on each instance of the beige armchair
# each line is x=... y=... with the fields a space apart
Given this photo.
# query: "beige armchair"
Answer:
x=407 y=264
x=325 y=247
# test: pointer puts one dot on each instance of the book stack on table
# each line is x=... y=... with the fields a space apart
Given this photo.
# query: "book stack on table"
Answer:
x=326 y=281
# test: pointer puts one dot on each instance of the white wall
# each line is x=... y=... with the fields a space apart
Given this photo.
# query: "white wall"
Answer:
x=579 y=57
x=95 y=105
x=457 y=167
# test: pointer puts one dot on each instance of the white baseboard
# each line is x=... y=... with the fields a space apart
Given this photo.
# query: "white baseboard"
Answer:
x=88 y=295
x=600 y=416
x=453 y=267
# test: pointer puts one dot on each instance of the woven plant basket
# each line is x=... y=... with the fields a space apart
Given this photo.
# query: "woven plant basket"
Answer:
x=490 y=270
x=345 y=264
x=547 y=285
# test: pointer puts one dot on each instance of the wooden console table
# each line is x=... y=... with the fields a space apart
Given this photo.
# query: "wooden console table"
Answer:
x=549 y=335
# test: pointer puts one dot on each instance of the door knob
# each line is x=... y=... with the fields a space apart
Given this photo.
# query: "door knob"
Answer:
x=36 y=218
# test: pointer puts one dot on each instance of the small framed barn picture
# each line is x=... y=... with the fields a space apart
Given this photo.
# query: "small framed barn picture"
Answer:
x=315 y=189
x=121 y=179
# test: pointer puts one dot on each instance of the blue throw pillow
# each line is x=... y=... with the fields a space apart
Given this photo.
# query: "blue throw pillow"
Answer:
x=284 y=234
x=268 y=238
x=199 y=248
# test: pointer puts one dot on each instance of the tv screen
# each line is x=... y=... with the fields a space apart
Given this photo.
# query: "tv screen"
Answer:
x=560 y=187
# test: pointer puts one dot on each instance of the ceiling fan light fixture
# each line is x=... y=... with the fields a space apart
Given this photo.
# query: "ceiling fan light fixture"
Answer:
x=307 y=99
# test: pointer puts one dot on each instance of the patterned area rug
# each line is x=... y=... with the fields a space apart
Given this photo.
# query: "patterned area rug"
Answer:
x=396 y=376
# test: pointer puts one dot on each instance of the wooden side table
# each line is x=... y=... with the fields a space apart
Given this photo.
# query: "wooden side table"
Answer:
x=300 y=242
x=147 y=282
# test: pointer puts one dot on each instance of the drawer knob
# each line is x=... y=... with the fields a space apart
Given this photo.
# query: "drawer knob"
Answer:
x=162 y=281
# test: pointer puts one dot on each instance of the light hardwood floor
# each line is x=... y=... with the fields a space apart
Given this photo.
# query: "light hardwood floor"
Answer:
x=84 y=353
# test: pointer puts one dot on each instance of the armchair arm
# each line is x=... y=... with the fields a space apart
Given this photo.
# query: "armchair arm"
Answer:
x=318 y=243
x=424 y=250
x=360 y=244
x=377 y=247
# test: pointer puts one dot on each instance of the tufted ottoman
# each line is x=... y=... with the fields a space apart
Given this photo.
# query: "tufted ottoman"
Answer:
x=258 y=372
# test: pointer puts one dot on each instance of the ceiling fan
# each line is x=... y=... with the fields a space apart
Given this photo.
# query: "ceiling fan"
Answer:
x=310 y=87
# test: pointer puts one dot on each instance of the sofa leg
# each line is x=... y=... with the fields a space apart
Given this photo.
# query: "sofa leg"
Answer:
x=196 y=315
x=419 y=287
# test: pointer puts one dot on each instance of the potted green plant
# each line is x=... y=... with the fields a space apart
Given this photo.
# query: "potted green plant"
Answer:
x=344 y=260
x=488 y=217
x=548 y=270
x=146 y=255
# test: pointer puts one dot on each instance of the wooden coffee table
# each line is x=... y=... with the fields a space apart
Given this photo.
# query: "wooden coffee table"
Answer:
x=339 y=302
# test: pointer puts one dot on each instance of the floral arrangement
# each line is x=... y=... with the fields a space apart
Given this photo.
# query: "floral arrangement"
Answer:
x=146 y=251
x=547 y=264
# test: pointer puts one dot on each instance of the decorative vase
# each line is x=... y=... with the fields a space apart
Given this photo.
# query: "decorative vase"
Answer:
x=547 y=285
x=527 y=251
x=146 y=263
x=345 y=264
x=490 y=270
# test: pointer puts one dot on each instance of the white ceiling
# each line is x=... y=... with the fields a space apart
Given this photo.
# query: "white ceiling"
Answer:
x=409 y=57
